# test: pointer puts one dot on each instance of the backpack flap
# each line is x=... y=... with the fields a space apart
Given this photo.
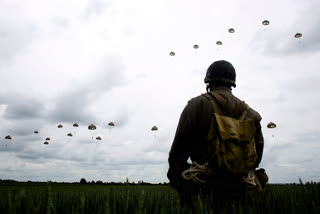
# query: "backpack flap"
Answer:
x=236 y=130
x=236 y=150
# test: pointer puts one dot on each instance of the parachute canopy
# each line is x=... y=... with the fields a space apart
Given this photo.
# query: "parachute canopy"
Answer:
x=48 y=138
x=46 y=142
x=8 y=137
x=265 y=22
x=219 y=43
x=98 y=138
x=196 y=46
x=154 y=128
x=172 y=54
x=231 y=30
x=111 y=124
x=60 y=126
x=92 y=127
x=76 y=125
x=271 y=125
x=298 y=35
x=36 y=132
x=70 y=134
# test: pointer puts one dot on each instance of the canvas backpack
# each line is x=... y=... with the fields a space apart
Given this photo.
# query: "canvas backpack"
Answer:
x=230 y=141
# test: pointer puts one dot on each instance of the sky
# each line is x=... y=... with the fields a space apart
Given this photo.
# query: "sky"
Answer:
x=97 y=61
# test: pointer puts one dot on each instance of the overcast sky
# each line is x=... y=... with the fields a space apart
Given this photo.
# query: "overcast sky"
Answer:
x=99 y=61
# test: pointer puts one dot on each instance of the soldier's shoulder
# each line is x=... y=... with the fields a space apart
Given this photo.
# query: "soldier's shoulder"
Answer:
x=251 y=112
x=201 y=99
x=254 y=115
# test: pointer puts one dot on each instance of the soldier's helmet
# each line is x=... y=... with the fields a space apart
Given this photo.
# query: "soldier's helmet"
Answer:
x=221 y=72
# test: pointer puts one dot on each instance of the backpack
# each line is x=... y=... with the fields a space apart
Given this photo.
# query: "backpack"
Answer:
x=230 y=141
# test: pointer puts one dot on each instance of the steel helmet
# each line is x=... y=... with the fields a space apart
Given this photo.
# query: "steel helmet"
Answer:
x=221 y=72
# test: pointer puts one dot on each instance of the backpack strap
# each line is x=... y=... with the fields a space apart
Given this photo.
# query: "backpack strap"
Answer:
x=215 y=104
x=245 y=111
x=213 y=100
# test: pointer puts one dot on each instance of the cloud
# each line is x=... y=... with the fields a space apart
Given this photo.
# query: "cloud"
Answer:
x=75 y=105
x=278 y=38
x=291 y=159
x=23 y=108
x=72 y=108
x=21 y=114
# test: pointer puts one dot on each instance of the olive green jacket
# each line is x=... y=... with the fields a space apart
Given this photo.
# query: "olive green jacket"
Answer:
x=193 y=127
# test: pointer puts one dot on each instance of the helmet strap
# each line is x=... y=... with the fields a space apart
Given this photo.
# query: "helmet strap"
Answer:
x=208 y=86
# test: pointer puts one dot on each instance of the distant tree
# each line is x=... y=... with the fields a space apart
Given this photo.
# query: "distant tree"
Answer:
x=99 y=182
x=83 y=181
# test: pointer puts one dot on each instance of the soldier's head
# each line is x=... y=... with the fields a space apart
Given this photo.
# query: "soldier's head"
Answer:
x=220 y=73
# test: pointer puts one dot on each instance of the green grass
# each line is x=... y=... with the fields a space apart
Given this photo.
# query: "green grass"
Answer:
x=78 y=198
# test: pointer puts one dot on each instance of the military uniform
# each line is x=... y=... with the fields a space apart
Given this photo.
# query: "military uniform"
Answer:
x=191 y=137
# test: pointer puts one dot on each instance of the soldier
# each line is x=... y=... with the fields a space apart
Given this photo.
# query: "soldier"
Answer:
x=192 y=135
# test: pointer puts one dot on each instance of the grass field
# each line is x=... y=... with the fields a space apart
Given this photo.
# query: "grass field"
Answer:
x=151 y=199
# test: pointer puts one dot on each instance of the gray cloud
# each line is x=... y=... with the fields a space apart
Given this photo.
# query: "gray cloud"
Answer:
x=22 y=115
x=24 y=109
x=280 y=40
x=287 y=161
x=74 y=106
x=71 y=108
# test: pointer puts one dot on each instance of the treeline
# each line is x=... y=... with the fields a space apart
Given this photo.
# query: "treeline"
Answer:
x=82 y=181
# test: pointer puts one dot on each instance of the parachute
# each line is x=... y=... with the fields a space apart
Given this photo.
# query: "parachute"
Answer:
x=98 y=138
x=60 y=126
x=36 y=132
x=298 y=35
x=46 y=143
x=154 y=128
x=219 y=43
x=111 y=124
x=92 y=127
x=48 y=138
x=271 y=125
x=172 y=54
x=231 y=30
x=196 y=46
x=8 y=137
x=75 y=125
x=265 y=22
x=70 y=134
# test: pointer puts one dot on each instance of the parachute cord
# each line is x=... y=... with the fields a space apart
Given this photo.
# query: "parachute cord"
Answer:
x=250 y=179
x=194 y=170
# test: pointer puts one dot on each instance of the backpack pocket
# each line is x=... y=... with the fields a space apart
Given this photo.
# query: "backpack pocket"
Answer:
x=236 y=151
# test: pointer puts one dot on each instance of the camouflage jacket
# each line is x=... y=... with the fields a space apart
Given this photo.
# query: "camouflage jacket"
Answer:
x=193 y=127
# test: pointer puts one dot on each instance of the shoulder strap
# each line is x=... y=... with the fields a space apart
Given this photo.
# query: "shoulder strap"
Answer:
x=245 y=111
x=213 y=102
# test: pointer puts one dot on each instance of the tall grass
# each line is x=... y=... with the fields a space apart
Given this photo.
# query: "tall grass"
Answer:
x=155 y=199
